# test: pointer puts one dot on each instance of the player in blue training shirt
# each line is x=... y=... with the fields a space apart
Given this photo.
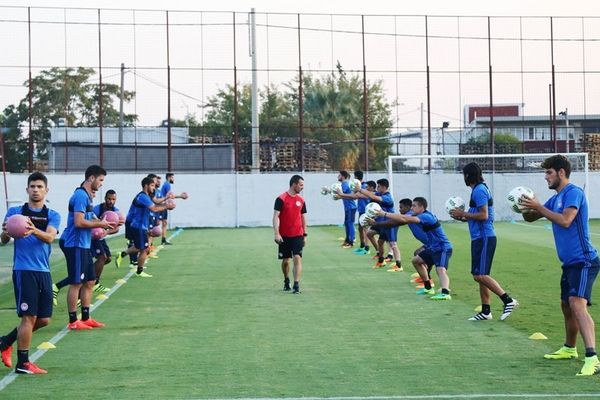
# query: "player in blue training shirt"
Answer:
x=166 y=191
x=100 y=250
x=361 y=204
x=480 y=217
x=568 y=211
x=386 y=234
x=438 y=249
x=349 y=210
x=31 y=273
x=137 y=228
x=76 y=244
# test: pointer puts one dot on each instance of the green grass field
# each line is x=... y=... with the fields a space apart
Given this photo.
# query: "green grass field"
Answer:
x=214 y=323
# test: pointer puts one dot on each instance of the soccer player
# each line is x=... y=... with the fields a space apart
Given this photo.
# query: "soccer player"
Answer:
x=289 y=228
x=77 y=240
x=438 y=249
x=480 y=217
x=386 y=201
x=349 y=210
x=568 y=211
x=31 y=273
x=361 y=203
x=139 y=217
x=165 y=190
x=99 y=247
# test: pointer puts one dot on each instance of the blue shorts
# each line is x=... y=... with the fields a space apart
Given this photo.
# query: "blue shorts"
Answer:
x=482 y=255
x=153 y=221
x=440 y=258
x=100 y=247
x=389 y=234
x=33 y=293
x=163 y=215
x=577 y=280
x=80 y=265
x=137 y=236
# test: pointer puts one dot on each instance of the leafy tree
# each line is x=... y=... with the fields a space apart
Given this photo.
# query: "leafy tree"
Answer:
x=62 y=93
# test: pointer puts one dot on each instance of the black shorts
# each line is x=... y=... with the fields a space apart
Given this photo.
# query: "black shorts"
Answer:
x=291 y=246
x=80 y=265
x=100 y=247
x=33 y=293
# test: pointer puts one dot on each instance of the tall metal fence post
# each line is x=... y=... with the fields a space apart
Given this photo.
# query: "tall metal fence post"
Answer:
x=300 y=100
x=365 y=99
x=169 y=137
x=100 y=110
x=29 y=97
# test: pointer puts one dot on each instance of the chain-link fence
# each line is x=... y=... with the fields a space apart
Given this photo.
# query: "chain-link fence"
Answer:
x=138 y=90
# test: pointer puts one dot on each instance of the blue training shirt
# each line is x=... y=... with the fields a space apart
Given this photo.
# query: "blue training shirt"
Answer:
x=573 y=244
x=436 y=237
x=481 y=196
x=386 y=203
x=362 y=203
x=165 y=189
x=349 y=204
x=80 y=202
x=140 y=211
x=30 y=253
x=417 y=230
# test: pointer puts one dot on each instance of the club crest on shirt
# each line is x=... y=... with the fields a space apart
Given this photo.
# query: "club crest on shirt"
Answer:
x=298 y=204
x=24 y=306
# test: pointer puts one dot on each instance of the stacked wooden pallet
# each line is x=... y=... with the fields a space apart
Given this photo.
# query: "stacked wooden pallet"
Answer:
x=592 y=146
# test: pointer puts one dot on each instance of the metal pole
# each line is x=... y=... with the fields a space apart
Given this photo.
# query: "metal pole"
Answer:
x=3 y=168
x=428 y=97
x=553 y=85
x=169 y=138
x=121 y=101
x=100 y=111
x=421 y=130
x=567 y=126
x=300 y=99
x=365 y=94
x=255 y=121
x=235 y=104
x=492 y=144
x=550 y=106
x=30 y=98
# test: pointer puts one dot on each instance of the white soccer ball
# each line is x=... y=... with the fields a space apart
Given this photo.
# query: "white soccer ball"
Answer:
x=325 y=191
x=514 y=198
x=372 y=209
x=362 y=220
x=334 y=188
x=354 y=184
x=454 y=202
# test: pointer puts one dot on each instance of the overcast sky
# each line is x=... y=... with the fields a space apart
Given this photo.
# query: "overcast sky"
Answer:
x=447 y=100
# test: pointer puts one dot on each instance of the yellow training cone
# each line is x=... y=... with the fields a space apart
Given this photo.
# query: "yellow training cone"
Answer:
x=46 y=346
x=477 y=309
x=101 y=297
x=121 y=281
x=538 y=336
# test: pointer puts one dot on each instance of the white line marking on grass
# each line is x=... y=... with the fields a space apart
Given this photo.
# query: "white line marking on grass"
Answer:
x=434 y=396
x=11 y=376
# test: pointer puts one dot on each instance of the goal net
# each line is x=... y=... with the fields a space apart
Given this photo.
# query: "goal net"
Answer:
x=439 y=177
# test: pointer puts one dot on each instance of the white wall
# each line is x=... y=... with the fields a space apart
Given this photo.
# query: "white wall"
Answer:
x=227 y=200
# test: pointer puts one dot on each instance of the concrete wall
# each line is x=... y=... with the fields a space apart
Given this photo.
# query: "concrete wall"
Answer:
x=226 y=200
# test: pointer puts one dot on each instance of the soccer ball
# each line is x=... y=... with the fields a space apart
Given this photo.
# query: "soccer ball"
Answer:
x=354 y=184
x=372 y=209
x=334 y=188
x=362 y=220
x=454 y=202
x=155 y=231
x=111 y=217
x=325 y=191
x=514 y=198
x=16 y=226
x=98 y=233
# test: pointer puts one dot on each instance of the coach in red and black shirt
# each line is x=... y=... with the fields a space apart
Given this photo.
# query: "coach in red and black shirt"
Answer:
x=289 y=226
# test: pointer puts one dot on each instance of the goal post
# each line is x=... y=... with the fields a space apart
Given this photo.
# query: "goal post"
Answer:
x=501 y=172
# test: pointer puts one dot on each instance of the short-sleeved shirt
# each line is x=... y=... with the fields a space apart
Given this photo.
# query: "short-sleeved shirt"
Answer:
x=417 y=230
x=436 y=237
x=290 y=210
x=481 y=196
x=80 y=202
x=362 y=203
x=165 y=189
x=349 y=204
x=573 y=244
x=386 y=203
x=101 y=209
x=30 y=253
x=140 y=211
